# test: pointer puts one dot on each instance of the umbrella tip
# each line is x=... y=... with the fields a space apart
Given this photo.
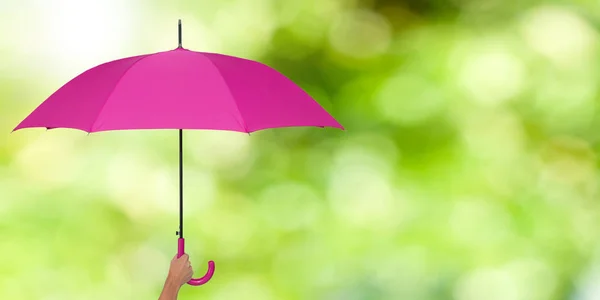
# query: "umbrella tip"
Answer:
x=179 y=32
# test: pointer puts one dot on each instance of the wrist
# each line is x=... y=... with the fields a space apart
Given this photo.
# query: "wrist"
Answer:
x=172 y=284
x=170 y=290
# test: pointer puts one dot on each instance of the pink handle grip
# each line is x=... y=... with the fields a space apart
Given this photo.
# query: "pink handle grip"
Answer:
x=211 y=266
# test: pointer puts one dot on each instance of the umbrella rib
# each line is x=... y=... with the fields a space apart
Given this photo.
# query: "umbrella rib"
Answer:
x=114 y=88
x=235 y=104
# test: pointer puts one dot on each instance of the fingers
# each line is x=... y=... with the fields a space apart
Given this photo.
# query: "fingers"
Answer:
x=190 y=270
x=189 y=275
x=184 y=258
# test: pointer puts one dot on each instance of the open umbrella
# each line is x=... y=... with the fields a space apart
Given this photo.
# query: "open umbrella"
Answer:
x=179 y=89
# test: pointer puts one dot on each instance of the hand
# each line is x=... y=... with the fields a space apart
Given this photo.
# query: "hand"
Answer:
x=180 y=271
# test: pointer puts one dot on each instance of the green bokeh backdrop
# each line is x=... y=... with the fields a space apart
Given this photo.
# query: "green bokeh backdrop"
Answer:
x=468 y=169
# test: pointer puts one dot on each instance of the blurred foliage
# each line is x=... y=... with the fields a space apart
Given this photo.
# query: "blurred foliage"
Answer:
x=468 y=169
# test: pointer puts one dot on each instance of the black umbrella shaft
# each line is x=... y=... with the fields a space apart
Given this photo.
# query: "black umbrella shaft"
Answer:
x=180 y=183
x=180 y=164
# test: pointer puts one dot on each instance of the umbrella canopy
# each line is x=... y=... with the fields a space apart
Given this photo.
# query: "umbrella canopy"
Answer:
x=180 y=89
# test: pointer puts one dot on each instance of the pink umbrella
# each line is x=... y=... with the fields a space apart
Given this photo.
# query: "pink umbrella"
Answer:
x=180 y=89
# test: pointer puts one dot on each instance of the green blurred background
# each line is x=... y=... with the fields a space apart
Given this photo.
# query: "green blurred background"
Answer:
x=468 y=170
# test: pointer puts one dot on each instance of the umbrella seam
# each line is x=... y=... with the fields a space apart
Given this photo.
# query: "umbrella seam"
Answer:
x=235 y=104
x=114 y=88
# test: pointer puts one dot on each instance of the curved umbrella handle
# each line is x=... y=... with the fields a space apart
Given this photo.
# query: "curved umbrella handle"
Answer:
x=211 y=266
